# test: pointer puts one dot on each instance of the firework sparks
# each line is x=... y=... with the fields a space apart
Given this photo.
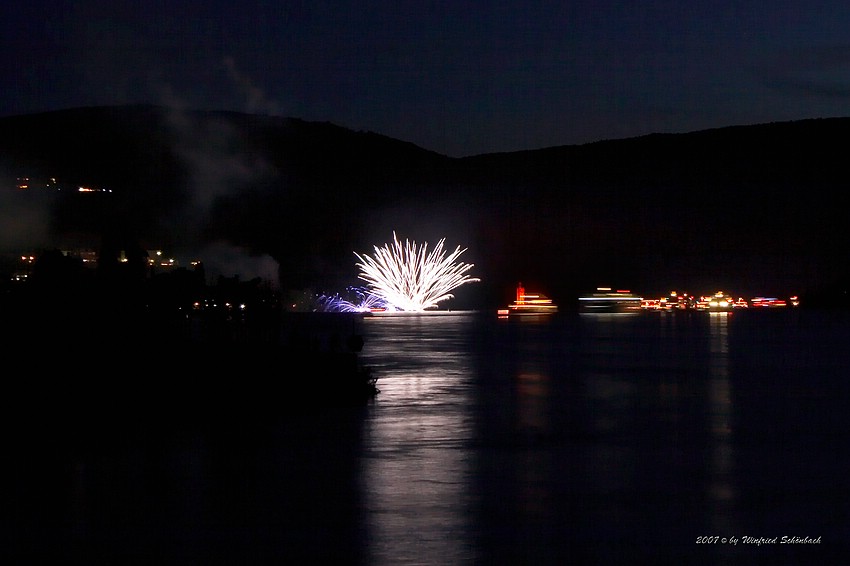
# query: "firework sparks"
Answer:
x=410 y=278
x=359 y=300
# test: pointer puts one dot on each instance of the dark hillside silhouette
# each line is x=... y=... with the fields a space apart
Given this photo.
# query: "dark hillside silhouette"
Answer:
x=758 y=209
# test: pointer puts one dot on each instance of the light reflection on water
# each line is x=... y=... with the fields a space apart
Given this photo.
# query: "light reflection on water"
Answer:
x=569 y=439
x=721 y=460
x=602 y=439
x=416 y=460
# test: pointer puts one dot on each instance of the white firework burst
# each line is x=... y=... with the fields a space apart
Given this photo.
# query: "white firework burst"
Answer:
x=410 y=278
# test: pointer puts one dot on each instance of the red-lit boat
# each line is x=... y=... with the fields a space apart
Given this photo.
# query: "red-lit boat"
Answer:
x=529 y=304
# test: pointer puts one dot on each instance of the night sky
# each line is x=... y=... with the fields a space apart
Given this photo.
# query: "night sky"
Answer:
x=460 y=77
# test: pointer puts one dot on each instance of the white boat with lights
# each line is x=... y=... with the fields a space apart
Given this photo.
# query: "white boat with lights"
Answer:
x=607 y=300
x=529 y=304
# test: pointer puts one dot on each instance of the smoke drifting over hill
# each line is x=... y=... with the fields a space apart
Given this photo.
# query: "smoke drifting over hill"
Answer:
x=216 y=163
x=227 y=260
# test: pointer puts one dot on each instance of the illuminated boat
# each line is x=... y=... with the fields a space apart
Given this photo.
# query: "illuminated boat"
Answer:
x=529 y=304
x=606 y=299
x=772 y=302
x=720 y=301
x=676 y=301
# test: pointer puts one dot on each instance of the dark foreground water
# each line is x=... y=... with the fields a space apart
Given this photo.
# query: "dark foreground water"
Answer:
x=597 y=439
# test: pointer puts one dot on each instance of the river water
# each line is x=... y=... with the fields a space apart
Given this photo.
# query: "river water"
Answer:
x=570 y=439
